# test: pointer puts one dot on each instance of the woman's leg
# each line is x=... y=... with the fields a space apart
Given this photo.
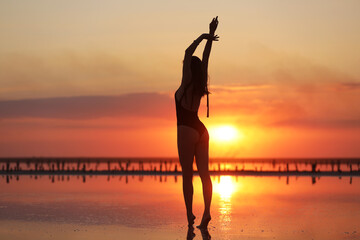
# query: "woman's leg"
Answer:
x=202 y=163
x=187 y=137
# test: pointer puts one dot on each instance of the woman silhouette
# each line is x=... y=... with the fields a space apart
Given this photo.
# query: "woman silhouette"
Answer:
x=192 y=135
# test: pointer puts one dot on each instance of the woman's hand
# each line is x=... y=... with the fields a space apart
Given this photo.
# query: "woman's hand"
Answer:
x=213 y=25
x=209 y=36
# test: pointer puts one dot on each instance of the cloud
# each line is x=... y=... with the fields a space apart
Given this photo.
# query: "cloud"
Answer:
x=347 y=86
x=239 y=88
x=318 y=123
x=152 y=105
x=294 y=104
x=68 y=73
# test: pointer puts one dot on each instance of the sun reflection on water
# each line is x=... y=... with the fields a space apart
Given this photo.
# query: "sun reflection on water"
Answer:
x=225 y=188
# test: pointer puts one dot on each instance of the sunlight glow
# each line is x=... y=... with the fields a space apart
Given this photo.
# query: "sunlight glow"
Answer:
x=225 y=133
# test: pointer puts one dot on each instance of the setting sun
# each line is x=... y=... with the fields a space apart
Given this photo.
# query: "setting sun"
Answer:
x=225 y=133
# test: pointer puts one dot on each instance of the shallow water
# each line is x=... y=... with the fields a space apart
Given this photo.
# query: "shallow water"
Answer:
x=151 y=207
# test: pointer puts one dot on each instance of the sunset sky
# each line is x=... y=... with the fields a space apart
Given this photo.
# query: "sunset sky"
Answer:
x=97 y=78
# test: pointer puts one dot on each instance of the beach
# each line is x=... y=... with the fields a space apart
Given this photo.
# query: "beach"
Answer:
x=151 y=207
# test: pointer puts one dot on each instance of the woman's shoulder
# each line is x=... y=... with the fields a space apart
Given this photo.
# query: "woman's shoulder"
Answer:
x=176 y=94
x=184 y=87
x=179 y=92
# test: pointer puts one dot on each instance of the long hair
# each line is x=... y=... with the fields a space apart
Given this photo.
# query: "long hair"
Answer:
x=198 y=77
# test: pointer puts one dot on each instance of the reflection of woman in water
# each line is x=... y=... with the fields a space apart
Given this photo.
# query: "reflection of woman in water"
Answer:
x=193 y=138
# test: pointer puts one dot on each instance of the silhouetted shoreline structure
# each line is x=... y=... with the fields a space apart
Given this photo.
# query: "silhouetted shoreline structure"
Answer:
x=170 y=166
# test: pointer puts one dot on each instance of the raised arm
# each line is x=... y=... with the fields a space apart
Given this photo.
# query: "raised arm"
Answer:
x=190 y=51
x=207 y=49
x=187 y=59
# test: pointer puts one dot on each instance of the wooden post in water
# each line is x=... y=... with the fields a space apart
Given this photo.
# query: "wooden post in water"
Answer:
x=313 y=167
x=338 y=165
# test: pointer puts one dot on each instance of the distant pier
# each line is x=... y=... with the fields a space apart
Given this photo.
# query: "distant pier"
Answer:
x=171 y=166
